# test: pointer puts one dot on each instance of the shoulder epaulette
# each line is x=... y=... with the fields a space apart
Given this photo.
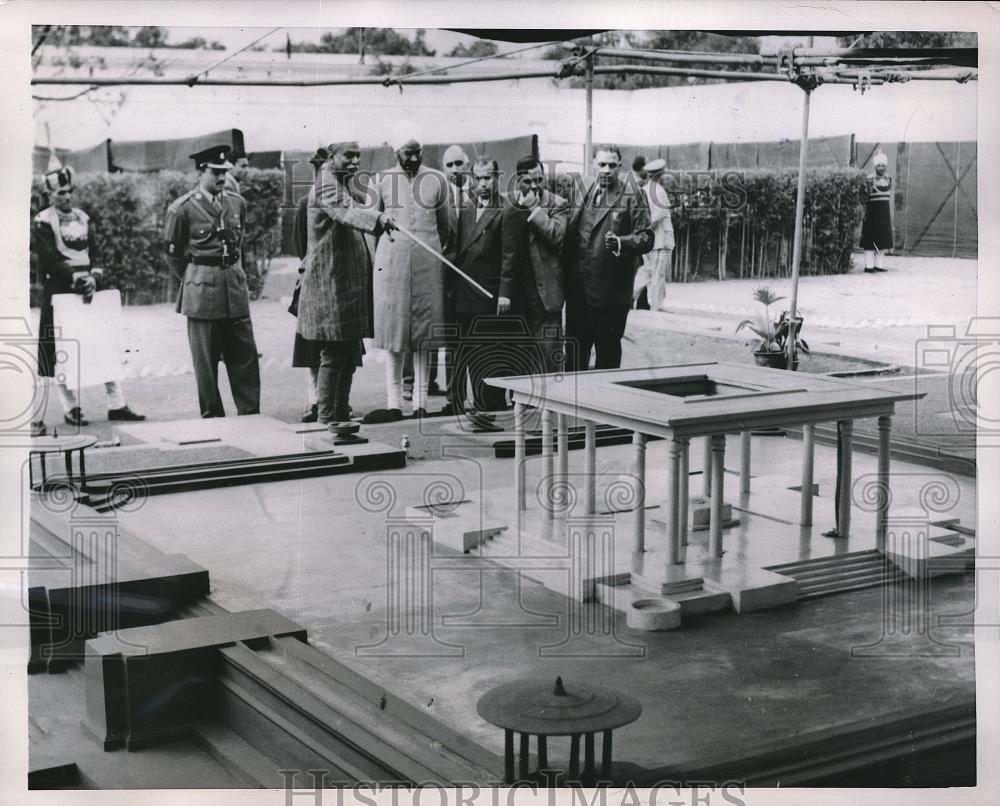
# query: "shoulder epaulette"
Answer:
x=176 y=203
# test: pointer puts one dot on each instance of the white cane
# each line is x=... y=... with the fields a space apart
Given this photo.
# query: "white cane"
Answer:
x=440 y=257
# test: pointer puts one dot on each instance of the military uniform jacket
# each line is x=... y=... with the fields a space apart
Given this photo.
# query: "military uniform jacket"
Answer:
x=192 y=236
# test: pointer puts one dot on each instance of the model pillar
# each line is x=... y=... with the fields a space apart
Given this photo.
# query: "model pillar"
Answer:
x=744 y=462
x=590 y=466
x=548 y=459
x=846 y=428
x=806 y=508
x=562 y=427
x=520 y=484
x=672 y=503
x=718 y=464
x=882 y=514
x=639 y=532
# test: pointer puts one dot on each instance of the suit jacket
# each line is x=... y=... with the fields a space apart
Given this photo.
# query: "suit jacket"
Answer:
x=480 y=255
x=532 y=250
x=604 y=279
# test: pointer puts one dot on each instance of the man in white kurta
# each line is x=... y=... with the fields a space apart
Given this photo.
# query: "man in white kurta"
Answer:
x=408 y=282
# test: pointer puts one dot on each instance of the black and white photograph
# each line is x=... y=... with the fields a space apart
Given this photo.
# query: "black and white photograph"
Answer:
x=403 y=404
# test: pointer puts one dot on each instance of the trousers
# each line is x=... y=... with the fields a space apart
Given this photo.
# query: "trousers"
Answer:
x=232 y=341
x=338 y=360
x=593 y=329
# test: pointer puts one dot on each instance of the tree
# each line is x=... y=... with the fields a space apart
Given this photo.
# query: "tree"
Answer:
x=702 y=41
x=150 y=36
x=477 y=50
x=378 y=41
x=200 y=43
x=911 y=39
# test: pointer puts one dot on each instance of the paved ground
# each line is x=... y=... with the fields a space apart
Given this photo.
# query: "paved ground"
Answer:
x=850 y=320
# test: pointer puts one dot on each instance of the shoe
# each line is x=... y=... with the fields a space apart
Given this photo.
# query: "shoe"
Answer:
x=869 y=271
x=379 y=416
x=311 y=414
x=435 y=390
x=75 y=417
x=125 y=414
x=38 y=429
x=482 y=423
x=877 y=268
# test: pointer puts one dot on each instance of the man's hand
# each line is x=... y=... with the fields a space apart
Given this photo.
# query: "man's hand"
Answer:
x=387 y=221
x=527 y=200
x=612 y=243
x=503 y=305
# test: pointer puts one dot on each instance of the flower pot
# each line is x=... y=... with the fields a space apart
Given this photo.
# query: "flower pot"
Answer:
x=766 y=358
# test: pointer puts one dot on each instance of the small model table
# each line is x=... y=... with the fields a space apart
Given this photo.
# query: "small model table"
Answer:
x=43 y=446
x=535 y=706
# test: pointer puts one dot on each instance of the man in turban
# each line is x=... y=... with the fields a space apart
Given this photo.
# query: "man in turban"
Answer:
x=409 y=283
x=876 y=232
x=60 y=246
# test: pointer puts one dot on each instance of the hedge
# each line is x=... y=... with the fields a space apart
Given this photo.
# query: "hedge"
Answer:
x=127 y=211
x=740 y=223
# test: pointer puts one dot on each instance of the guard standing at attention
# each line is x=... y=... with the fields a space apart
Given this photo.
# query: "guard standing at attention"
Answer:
x=203 y=235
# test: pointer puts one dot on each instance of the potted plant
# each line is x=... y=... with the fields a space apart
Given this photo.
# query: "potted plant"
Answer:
x=771 y=349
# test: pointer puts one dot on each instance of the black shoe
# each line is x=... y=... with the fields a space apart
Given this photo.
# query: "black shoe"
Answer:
x=878 y=268
x=380 y=416
x=38 y=429
x=75 y=417
x=435 y=390
x=311 y=414
x=126 y=414
x=869 y=271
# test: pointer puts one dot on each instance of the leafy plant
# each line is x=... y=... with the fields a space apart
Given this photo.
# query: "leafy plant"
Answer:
x=773 y=334
x=761 y=324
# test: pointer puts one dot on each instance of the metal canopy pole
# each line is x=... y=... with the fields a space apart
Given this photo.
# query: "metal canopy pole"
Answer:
x=797 y=239
x=800 y=193
x=589 y=142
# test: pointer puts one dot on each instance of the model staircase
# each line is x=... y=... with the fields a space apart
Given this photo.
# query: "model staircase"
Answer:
x=321 y=715
x=847 y=572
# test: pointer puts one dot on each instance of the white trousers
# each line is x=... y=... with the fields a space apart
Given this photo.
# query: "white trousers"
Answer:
x=873 y=259
x=116 y=398
x=394 y=380
x=653 y=275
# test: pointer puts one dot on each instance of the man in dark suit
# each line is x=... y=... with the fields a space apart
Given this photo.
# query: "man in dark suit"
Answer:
x=534 y=230
x=480 y=320
x=608 y=233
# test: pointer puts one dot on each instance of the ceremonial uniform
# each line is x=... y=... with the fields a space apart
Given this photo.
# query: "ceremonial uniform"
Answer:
x=876 y=232
x=204 y=232
x=60 y=246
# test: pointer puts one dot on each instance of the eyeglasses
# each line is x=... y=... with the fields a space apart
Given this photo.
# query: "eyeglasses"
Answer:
x=611 y=165
x=454 y=164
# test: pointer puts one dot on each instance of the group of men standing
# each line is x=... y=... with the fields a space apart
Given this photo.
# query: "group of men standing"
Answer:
x=372 y=268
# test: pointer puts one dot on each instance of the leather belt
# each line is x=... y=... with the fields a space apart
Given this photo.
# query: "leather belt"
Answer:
x=208 y=260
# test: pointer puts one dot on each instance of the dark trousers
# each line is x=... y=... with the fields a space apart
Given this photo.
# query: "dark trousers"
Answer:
x=232 y=341
x=599 y=329
x=544 y=330
x=338 y=360
x=482 y=351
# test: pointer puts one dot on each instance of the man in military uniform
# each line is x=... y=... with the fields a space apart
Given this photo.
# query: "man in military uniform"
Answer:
x=203 y=235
